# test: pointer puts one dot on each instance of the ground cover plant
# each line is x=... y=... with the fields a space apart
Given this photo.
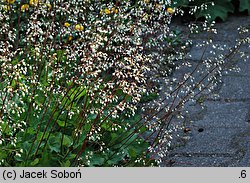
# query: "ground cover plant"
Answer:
x=77 y=76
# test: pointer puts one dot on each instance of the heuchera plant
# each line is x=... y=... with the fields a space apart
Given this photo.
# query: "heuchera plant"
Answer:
x=72 y=73
x=72 y=78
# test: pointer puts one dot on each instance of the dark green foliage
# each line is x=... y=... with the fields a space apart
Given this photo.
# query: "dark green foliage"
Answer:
x=244 y=5
x=149 y=97
x=215 y=9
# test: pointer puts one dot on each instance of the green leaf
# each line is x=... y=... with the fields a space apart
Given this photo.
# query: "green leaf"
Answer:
x=134 y=119
x=82 y=93
x=26 y=146
x=35 y=162
x=128 y=98
x=71 y=156
x=17 y=158
x=114 y=136
x=31 y=131
x=61 y=123
x=54 y=144
x=132 y=153
x=143 y=129
x=92 y=116
x=67 y=141
x=97 y=160
x=115 y=159
x=106 y=126
x=66 y=164
x=46 y=159
x=219 y=10
x=40 y=135
x=149 y=97
x=244 y=5
x=87 y=127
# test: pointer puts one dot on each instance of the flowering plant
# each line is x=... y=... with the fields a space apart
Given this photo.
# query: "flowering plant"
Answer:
x=72 y=74
x=72 y=78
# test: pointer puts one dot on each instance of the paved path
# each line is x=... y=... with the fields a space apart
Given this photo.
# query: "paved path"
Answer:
x=220 y=132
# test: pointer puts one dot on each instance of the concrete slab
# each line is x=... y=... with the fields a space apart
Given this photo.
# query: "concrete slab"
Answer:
x=245 y=162
x=242 y=141
x=201 y=51
x=220 y=132
x=199 y=161
x=224 y=115
x=211 y=141
x=235 y=87
x=244 y=69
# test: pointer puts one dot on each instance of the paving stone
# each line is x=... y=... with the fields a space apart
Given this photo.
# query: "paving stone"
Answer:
x=245 y=161
x=227 y=31
x=211 y=140
x=227 y=115
x=196 y=161
x=209 y=51
x=244 y=67
x=235 y=87
x=220 y=133
x=248 y=116
x=242 y=141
